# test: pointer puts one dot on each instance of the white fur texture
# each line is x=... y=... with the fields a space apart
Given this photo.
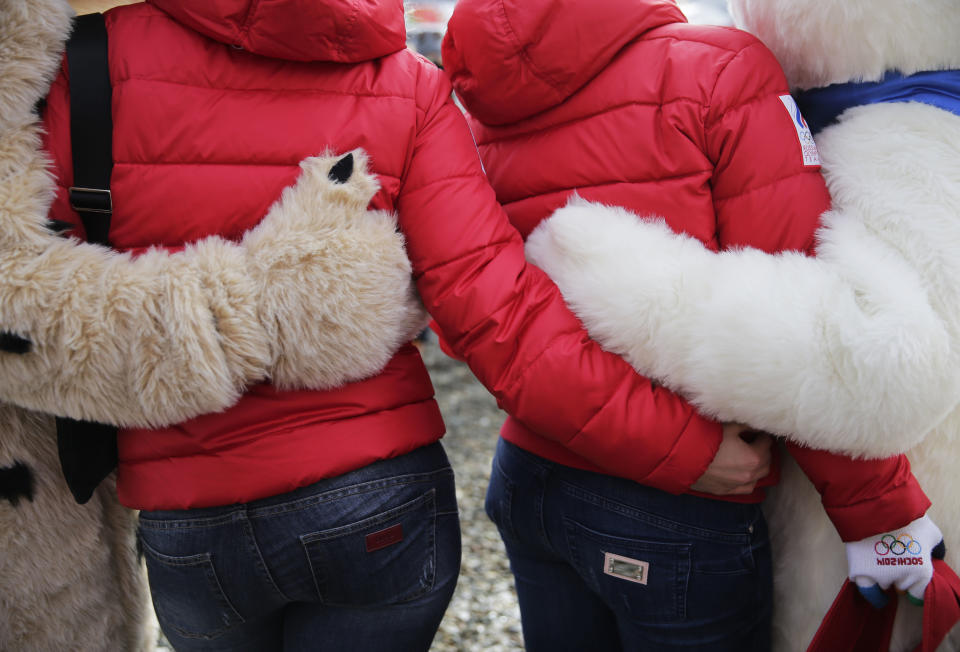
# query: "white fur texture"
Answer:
x=869 y=352
x=856 y=351
x=821 y=42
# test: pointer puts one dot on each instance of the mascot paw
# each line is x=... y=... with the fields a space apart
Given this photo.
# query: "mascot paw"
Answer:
x=330 y=179
x=330 y=191
x=336 y=295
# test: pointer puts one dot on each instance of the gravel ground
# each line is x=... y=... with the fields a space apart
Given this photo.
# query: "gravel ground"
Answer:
x=483 y=615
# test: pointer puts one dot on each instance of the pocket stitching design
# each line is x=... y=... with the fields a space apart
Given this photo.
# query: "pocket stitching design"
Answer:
x=680 y=552
x=653 y=519
x=203 y=561
x=425 y=584
x=429 y=497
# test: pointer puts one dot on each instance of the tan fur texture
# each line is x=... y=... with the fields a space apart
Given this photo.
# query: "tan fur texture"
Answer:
x=70 y=578
x=32 y=37
x=319 y=294
x=335 y=287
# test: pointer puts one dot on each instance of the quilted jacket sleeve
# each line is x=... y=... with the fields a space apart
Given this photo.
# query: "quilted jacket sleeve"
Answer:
x=509 y=322
x=863 y=497
x=769 y=195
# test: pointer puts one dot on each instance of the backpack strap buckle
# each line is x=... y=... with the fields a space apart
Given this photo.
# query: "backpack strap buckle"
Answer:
x=91 y=200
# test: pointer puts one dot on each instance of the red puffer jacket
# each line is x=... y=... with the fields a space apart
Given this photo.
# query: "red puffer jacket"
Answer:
x=625 y=103
x=214 y=104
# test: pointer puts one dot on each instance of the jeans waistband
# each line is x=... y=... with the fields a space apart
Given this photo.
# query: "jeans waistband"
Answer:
x=422 y=465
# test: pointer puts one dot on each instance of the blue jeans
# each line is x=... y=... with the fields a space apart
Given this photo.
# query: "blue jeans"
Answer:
x=605 y=564
x=364 y=561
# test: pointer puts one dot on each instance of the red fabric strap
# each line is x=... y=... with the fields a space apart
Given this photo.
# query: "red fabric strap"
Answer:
x=852 y=624
x=941 y=606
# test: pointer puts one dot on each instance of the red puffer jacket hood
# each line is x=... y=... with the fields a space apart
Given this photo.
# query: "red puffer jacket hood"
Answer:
x=511 y=59
x=345 y=31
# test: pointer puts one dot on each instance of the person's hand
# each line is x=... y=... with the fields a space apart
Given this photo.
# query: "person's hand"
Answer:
x=743 y=458
x=902 y=558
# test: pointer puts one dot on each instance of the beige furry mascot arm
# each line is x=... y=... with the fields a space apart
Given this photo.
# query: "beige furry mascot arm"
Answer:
x=319 y=294
x=850 y=352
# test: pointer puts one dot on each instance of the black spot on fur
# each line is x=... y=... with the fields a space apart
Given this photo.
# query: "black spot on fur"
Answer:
x=15 y=482
x=59 y=226
x=342 y=169
x=14 y=343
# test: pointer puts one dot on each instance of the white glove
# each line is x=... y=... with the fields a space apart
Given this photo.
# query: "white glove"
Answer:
x=900 y=558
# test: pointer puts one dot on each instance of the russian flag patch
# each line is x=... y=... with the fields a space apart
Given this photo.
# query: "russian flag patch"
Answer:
x=808 y=148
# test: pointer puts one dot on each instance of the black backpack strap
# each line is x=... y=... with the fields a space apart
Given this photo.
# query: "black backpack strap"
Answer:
x=91 y=126
x=88 y=451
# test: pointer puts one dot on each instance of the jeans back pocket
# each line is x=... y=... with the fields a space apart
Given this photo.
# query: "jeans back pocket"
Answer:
x=646 y=580
x=187 y=594
x=387 y=558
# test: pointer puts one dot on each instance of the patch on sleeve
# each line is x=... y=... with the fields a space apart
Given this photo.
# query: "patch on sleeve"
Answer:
x=807 y=147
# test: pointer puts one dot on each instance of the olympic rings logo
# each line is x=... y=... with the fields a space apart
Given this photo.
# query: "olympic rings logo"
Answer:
x=897 y=545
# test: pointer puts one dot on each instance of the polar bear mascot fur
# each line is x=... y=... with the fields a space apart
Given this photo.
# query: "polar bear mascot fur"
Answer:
x=164 y=338
x=856 y=351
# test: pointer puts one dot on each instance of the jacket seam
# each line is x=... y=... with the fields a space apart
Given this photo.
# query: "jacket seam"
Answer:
x=212 y=451
x=522 y=51
x=744 y=193
x=685 y=39
x=291 y=164
x=522 y=373
x=505 y=201
x=676 y=443
x=265 y=89
x=248 y=19
x=580 y=118
x=597 y=412
x=760 y=94
x=442 y=179
x=886 y=490
x=348 y=30
x=459 y=256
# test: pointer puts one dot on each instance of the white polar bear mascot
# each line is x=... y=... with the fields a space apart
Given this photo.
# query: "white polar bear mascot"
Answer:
x=856 y=351
x=164 y=338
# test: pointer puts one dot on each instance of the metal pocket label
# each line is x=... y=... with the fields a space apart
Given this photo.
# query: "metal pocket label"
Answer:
x=624 y=568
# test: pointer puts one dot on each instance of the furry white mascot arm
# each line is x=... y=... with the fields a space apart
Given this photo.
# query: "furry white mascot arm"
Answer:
x=319 y=294
x=846 y=351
